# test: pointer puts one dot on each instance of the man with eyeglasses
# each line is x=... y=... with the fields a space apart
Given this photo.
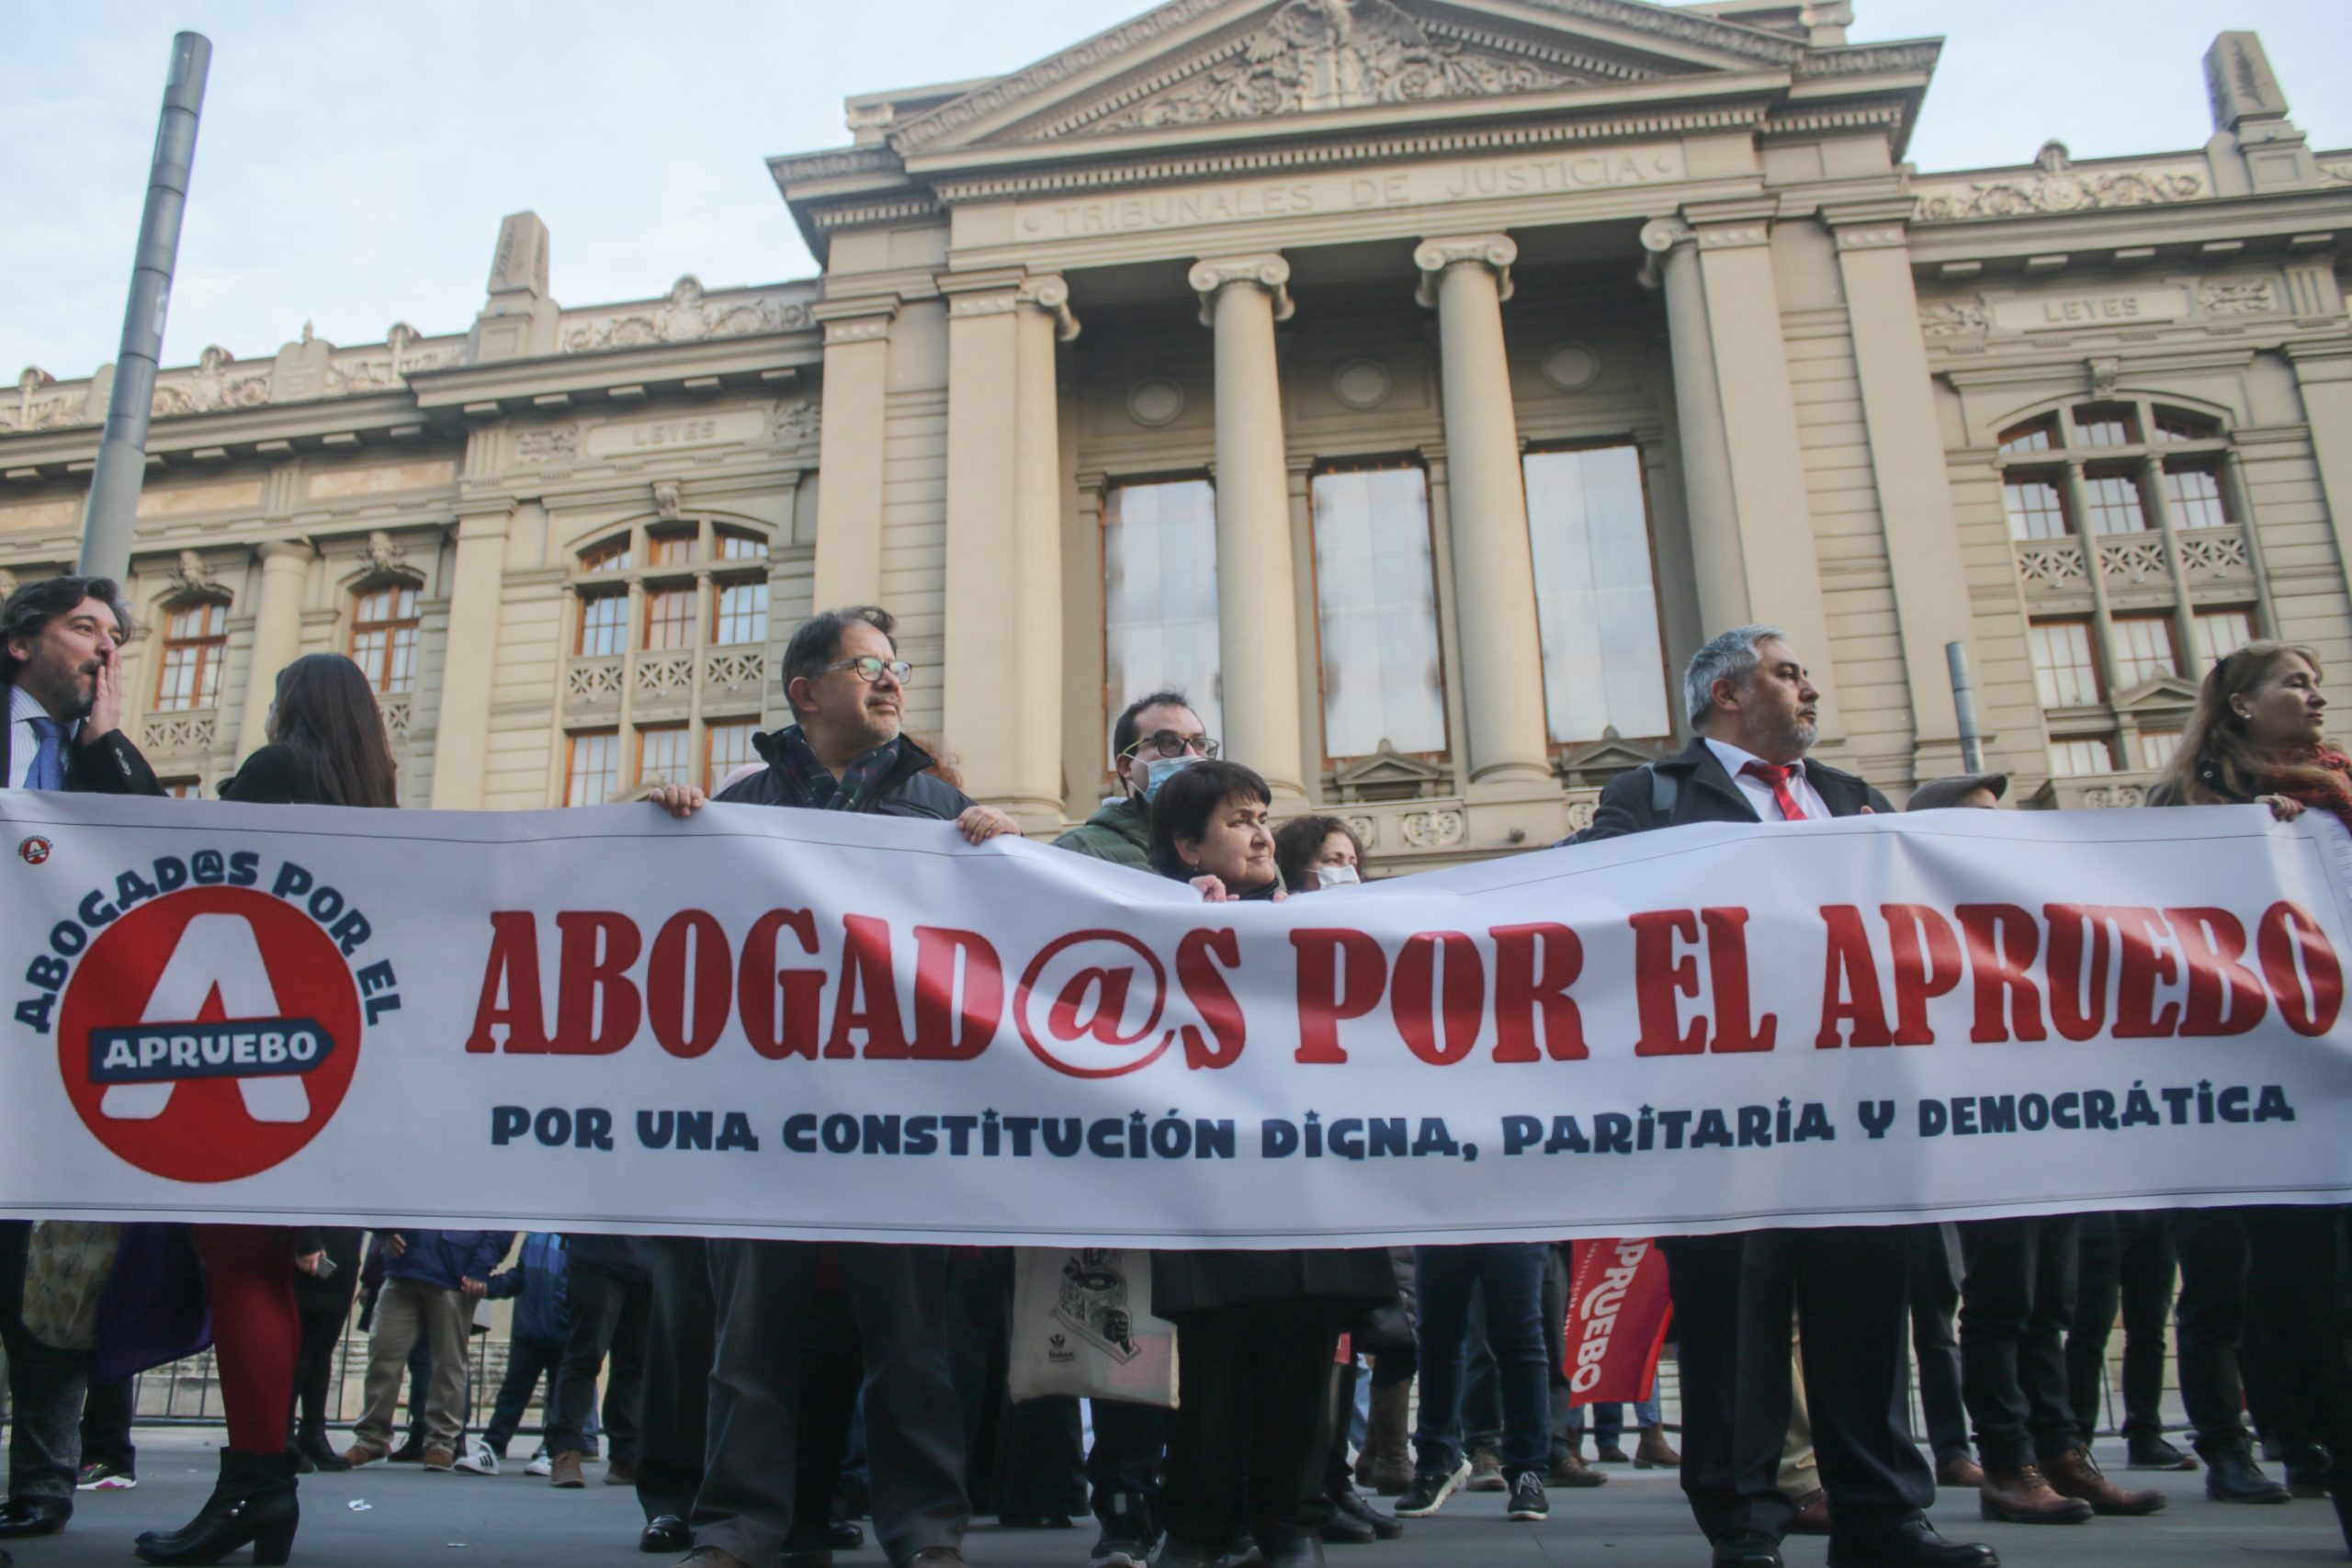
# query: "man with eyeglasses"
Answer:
x=1154 y=736
x=847 y=686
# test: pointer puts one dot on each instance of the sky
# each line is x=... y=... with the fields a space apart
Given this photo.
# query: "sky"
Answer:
x=355 y=160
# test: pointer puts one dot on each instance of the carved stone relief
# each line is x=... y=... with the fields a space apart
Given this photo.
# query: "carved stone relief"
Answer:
x=1951 y=319
x=1572 y=366
x=1155 y=400
x=548 y=445
x=2056 y=186
x=1361 y=383
x=2247 y=298
x=686 y=316
x=1330 y=54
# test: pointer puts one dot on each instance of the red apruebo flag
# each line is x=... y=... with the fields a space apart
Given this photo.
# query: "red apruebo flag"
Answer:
x=1618 y=1313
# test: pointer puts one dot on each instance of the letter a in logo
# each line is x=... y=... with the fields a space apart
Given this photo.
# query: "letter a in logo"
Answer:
x=217 y=957
x=209 y=1034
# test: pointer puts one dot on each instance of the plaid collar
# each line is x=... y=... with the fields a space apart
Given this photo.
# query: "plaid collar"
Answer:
x=808 y=783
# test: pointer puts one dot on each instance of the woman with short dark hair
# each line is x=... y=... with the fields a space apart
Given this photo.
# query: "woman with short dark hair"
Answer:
x=327 y=746
x=1305 y=848
x=1257 y=1332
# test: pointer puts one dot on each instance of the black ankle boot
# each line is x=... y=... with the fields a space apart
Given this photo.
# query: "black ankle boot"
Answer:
x=317 y=1453
x=253 y=1503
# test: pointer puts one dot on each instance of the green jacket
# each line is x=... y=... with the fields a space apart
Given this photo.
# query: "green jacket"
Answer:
x=1120 y=832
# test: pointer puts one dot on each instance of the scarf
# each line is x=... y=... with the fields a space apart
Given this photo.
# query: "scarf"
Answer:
x=809 y=783
x=2331 y=793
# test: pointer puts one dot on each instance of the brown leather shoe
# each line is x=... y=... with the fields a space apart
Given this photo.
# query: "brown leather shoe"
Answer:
x=1959 y=1470
x=437 y=1457
x=1813 y=1514
x=2077 y=1474
x=2023 y=1496
x=359 y=1454
x=1654 y=1452
x=564 y=1470
x=1571 y=1470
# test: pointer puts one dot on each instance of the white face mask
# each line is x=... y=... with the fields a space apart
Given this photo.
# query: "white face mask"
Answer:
x=1330 y=876
x=1160 y=770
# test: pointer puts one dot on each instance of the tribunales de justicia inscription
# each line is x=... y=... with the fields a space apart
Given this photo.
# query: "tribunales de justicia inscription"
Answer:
x=1412 y=185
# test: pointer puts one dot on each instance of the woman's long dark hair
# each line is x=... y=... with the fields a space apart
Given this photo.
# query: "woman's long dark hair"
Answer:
x=326 y=715
x=1187 y=802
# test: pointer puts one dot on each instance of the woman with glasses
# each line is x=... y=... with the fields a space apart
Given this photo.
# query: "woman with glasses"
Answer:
x=1257 y=1331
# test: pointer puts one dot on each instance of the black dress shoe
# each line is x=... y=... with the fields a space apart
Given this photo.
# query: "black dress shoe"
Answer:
x=1913 y=1544
x=842 y=1535
x=665 y=1533
x=34 y=1516
x=1747 y=1548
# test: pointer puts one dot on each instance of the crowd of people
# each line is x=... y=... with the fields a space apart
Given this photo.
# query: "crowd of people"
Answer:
x=761 y=1396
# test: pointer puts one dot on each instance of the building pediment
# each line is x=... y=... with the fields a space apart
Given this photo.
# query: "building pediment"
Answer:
x=1202 y=63
x=2158 y=691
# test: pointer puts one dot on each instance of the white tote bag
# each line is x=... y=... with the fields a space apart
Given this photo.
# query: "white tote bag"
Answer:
x=1082 y=1325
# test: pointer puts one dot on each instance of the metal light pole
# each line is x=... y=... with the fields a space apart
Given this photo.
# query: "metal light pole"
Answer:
x=122 y=455
x=1963 y=703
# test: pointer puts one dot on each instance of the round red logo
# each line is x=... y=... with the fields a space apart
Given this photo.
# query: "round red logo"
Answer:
x=33 y=850
x=211 y=1034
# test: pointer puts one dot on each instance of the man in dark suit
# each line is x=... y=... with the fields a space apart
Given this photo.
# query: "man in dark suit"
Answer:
x=60 y=668
x=847 y=687
x=1736 y=1296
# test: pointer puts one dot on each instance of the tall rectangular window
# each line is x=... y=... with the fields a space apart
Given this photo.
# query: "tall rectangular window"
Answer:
x=1375 y=593
x=195 y=640
x=1596 y=603
x=743 y=614
x=670 y=617
x=2196 y=497
x=2064 y=670
x=592 y=775
x=1160 y=594
x=2037 y=510
x=383 y=637
x=728 y=744
x=2221 y=632
x=603 y=624
x=2143 y=648
x=661 y=753
x=2113 y=500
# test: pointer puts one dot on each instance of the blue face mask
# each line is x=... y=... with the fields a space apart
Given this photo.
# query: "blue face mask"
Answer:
x=1160 y=770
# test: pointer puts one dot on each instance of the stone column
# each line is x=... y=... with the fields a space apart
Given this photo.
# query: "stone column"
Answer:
x=1466 y=279
x=1003 y=697
x=1913 y=497
x=469 y=659
x=277 y=633
x=2323 y=376
x=1241 y=298
x=849 y=449
x=1720 y=575
x=1750 y=368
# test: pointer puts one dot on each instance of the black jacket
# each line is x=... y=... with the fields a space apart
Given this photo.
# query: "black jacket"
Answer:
x=108 y=765
x=1703 y=791
x=271 y=776
x=905 y=791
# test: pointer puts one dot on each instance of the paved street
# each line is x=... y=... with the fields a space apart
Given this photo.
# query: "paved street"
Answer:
x=1637 y=1519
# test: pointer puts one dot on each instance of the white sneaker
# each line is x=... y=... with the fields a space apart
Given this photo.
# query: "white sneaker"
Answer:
x=479 y=1459
x=540 y=1465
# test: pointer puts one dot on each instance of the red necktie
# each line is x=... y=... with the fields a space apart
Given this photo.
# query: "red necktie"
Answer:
x=1778 y=775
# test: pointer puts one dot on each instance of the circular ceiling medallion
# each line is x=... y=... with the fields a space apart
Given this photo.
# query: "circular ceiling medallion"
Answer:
x=1155 y=400
x=1572 y=366
x=1361 y=383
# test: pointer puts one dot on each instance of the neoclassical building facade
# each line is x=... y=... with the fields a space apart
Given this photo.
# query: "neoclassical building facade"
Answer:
x=1416 y=382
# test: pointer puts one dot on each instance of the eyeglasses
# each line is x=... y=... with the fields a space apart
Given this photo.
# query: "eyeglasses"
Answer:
x=1167 y=743
x=871 y=669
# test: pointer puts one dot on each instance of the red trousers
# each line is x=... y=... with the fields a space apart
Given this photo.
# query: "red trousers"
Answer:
x=256 y=1332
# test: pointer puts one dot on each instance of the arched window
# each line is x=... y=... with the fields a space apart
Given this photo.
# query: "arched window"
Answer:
x=669 y=627
x=2138 y=568
x=195 y=640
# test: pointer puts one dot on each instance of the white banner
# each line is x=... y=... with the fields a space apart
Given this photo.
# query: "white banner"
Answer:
x=797 y=1023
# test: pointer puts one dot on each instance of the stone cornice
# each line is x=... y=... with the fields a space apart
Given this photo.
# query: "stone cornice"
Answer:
x=1169 y=167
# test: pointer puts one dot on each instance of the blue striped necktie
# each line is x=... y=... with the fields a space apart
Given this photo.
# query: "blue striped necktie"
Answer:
x=49 y=757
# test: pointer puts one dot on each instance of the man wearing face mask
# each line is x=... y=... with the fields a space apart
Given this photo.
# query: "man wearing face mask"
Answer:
x=1153 y=738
